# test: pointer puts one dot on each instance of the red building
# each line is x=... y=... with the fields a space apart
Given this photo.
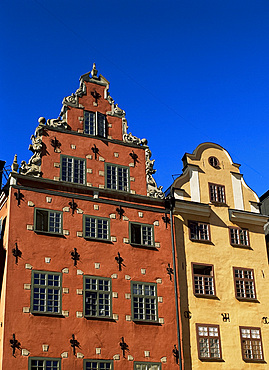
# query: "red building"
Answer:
x=86 y=246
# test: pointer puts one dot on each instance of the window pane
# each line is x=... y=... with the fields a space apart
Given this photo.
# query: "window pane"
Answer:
x=41 y=220
x=89 y=123
x=101 y=124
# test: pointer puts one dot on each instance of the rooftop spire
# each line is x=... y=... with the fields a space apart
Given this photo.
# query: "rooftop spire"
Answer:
x=94 y=71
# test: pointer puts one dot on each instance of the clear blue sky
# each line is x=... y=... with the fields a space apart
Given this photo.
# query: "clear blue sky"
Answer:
x=184 y=71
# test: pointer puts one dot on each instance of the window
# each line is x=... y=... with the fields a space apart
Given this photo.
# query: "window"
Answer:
x=141 y=234
x=96 y=228
x=217 y=193
x=98 y=365
x=214 y=162
x=144 y=301
x=41 y=363
x=199 y=231
x=239 y=237
x=244 y=283
x=97 y=297
x=203 y=277
x=46 y=292
x=251 y=343
x=208 y=338
x=73 y=169
x=147 y=366
x=48 y=221
x=117 y=177
x=95 y=124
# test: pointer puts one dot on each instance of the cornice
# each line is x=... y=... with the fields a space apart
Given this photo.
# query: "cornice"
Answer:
x=247 y=217
x=192 y=208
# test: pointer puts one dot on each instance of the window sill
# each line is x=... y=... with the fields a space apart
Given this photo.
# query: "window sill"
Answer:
x=201 y=241
x=243 y=299
x=146 y=322
x=218 y=204
x=241 y=246
x=254 y=361
x=100 y=318
x=211 y=359
x=207 y=296
x=60 y=315
x=61 y=235
x=107 y=241
x=144 y=246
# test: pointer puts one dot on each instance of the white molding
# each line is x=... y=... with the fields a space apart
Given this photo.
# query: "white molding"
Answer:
x=237 y=190
x=247 y=217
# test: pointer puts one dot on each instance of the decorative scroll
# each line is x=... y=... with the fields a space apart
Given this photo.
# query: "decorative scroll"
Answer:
x=131 y=139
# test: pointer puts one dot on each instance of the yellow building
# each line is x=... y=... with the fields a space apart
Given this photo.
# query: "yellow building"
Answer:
x=222 y=264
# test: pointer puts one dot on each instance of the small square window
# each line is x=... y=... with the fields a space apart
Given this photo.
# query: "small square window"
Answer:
x=147 y=366
x=46 y=292
x=141 y=234
x=144 y=301
x=95 y=124
x=96 y=228
x=217 y=193
x=208 y=338
x=203 y=280
x=73 y=169
x=199 y=231
x=239 y=237
x=48 y=221
x=41 y=363
x=244 y=283
x=251 y=344
x=97 y=297
x=117 y=177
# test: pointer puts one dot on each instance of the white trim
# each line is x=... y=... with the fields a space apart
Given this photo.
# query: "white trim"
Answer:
x=194 y=184
x=237 y=190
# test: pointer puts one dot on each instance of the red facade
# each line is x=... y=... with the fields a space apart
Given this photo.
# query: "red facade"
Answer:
x=86 y=191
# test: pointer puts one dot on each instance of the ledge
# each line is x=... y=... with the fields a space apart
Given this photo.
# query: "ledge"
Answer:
x=193 y=208
x=247 y=217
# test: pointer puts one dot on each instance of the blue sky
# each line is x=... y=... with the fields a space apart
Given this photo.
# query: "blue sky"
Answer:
x=184 y=71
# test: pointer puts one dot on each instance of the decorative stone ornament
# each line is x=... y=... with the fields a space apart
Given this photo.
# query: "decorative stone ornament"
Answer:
x=131 y=139
x=33 y=167
x=152 y=189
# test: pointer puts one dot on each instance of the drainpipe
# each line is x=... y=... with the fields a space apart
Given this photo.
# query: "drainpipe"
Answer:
x=171 y=206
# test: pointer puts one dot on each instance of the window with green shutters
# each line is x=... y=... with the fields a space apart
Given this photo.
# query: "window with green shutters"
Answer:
x=97 y=297
x=73 y=169
x=141 y=234
x=41 y=363
x=144 y=301
x=46 y=292
x=147 y=366
x=95 y=124
x=48 y=221
x=96 y=227
x=117 y=177
x=98 y=365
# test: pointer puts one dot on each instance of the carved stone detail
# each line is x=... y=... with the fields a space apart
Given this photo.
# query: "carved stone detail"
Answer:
x=152 y=189
x=131 y=139
x=33 y=167
x=58 y=123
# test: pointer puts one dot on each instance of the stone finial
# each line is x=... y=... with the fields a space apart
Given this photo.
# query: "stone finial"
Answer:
x=94 y=71
x=15 y=166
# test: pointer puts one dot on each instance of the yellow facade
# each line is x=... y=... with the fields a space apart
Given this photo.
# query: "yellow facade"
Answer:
x=239 y=209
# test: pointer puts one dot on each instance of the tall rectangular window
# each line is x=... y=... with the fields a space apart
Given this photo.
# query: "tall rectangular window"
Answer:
x=95 y=124
x=46 y=292
x=251 y=343
x=41 y=363
x=141 y=234
x=117 y=177
x=199 y=231
x=48 y=221
x=96 y=228
x=203 y=277
x=244 y=283
x=97 y=297
x=73 y=169
x=144 y=301
x=208 y=338
x=147 y=366
x=217 y=193
x=239 y=237
x=98 y=365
